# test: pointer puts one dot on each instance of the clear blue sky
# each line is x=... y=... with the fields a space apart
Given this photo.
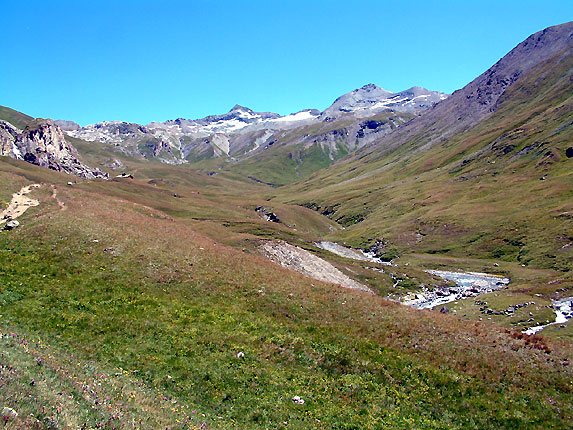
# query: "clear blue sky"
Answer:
x=141 y=61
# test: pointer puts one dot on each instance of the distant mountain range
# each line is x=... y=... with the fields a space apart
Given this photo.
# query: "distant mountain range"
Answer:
x=181 y=140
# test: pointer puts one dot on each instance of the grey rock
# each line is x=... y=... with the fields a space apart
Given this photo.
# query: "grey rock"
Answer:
x=8 y=136
x=67 y=125
x=9 y=412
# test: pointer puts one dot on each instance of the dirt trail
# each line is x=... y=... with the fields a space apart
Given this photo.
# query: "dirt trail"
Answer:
x=60 y=203
x=19 y=204
x=302 y=261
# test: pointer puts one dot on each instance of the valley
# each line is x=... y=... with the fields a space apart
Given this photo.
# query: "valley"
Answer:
x=399 y=260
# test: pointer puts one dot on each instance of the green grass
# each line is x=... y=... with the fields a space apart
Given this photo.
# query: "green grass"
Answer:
x=173 y=308
x=156 y=284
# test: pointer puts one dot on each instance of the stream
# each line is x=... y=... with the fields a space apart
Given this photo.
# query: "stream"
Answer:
x=563 y=312
x=468 y=284
x=355 y=254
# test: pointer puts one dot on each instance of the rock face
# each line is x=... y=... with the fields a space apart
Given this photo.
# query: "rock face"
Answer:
x=43 y=143
x=8 y=135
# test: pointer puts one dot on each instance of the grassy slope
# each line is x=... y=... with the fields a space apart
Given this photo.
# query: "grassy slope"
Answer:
x=156 y=313
x=17 y=119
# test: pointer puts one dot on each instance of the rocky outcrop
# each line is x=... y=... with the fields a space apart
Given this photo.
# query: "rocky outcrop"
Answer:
x=43 y=143
x=267 y=214
x=8 y=135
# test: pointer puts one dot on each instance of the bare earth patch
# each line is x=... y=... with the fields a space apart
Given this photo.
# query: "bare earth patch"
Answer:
x=19 y=204
x=295 y=258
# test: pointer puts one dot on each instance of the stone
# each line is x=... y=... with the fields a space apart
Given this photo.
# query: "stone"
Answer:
x=44 y=144
x=12 y=224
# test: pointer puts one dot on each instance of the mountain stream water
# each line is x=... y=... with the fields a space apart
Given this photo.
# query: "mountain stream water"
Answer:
x=355 y=254
x=563 y=312
x=468 y=284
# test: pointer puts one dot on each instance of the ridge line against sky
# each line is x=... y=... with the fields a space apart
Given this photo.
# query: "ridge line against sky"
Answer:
x=150 y=61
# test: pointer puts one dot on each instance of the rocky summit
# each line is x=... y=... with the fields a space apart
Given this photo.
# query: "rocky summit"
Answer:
x=371 y=99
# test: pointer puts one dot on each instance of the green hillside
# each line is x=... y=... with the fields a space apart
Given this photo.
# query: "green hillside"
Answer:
x=146 y=300
x=501 y=190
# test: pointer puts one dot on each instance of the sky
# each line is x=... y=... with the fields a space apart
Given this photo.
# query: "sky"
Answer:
x=144 y=61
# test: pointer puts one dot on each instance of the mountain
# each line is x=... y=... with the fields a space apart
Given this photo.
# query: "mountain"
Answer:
x=43 y=143
x=191 y=139
x=484 y=172
x=480 y=98
x=266 y=146
x=371 y=99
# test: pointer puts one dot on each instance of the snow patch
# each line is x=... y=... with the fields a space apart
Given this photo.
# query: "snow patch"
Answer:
x=299 y=116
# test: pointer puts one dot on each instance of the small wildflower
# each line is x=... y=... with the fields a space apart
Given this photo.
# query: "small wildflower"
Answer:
x=297 y=400
x=241 y=355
